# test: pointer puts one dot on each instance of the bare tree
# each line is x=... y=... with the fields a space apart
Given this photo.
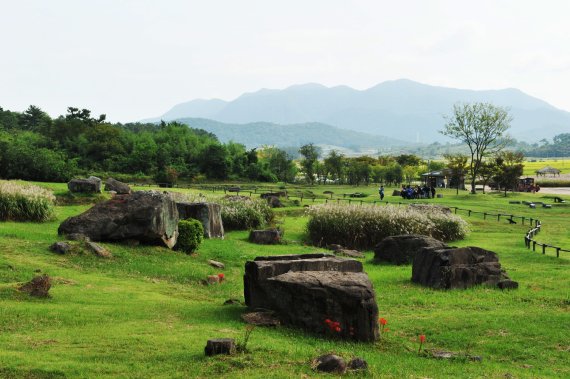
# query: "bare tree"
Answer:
x=482 y=126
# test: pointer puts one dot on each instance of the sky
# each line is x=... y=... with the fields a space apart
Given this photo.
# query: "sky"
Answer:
x=134 y=59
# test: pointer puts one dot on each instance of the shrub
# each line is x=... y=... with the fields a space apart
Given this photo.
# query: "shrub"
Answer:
x=25 y=202
x=239 y=212
x=190 y=235
x=364 y=226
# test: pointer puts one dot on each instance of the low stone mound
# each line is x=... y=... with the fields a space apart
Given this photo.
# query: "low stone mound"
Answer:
x=308 y=290
x=209 y=215
x=402 y=249
x=146 y=216
x=265 y=237
x=118 y=187
x=273 y=194
x=89 y=185
x=38 y=286
x=463 y=267
x=274 y=202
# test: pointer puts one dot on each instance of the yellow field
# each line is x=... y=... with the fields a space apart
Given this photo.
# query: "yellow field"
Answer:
x=533 y=164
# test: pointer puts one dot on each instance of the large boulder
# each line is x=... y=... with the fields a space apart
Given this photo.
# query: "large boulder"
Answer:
x=119 y=187
x=308 y=290
x=89 y=185
x=146 y=216
x=458 y=268
x=403 y=248
x=209 y=214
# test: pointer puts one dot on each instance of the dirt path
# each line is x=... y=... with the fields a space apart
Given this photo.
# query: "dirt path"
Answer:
x=555 y=190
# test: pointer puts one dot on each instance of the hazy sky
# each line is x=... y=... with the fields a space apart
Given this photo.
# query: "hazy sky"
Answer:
x=134 y=59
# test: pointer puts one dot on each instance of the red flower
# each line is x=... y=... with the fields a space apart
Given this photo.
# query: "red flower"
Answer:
x=422 y=338
x=327 y=321
x=382 y=321
x=337 y=329
x=221 y=276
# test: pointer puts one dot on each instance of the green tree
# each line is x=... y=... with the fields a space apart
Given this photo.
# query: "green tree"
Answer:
x=457 y=166
x=310 y=155
x=482 y=127
x=509 y=169
x=333 y=164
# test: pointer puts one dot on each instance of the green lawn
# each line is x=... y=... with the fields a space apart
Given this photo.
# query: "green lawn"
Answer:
x=145 y=313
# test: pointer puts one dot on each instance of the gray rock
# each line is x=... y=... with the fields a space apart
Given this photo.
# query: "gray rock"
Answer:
x=220 y=346
x=403 y=248
x=507 y=284
x=274 y=202
x=265 y=237
x=330 y=363
x=209 y=215
x=349 y=253
x=77 y=237
x=266 y=318
x=457 y=268
x=98 y=250
x=305 y=290
x=60 y=247
x=147 y=216
x=216 y=264
x=357 y=364
x=89 y=185
x=116 y=186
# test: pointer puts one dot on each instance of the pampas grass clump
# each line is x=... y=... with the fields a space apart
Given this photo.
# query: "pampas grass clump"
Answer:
x=25 y=202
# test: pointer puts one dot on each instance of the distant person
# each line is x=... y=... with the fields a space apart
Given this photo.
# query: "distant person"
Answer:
x=381 y=192
x=432 y=188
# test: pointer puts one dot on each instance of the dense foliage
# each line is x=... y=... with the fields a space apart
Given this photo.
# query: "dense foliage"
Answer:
x=190 y=235
x=25 y=202
x=364 y=226
x=34 y=146
x=242 y=213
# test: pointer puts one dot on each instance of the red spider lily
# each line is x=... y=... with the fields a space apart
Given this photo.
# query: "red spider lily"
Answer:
x=382 y=321
x=422 y=339
x=337 y=329
x=221 y=276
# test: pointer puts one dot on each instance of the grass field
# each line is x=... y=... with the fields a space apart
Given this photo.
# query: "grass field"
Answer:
x=145 y=313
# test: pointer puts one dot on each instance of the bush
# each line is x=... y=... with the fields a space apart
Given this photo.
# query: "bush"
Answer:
x=553 y=183
x=190 y=235
x=25 y=202
x=364 y=226
x=241 y=213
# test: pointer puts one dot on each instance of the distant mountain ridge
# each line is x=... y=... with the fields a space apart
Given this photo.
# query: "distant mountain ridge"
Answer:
x=264 y=133
x=400 y=109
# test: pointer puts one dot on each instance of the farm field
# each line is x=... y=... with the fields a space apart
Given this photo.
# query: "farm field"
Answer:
x=146 y=313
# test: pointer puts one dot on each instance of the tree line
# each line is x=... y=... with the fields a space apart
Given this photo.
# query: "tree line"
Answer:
x=34 y=146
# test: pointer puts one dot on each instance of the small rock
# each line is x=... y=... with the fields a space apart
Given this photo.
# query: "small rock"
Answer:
x=98 y=250
x=213 y=279
x=220 y=346
x=475 y=358
x=508 y=284
x=232 y=302
x=216 y=264
x=357 y=364
x=38 y=270
x=442 y=354
x=38 y=286
x=265 y=237
x=261 y=318
x=60 y=247
x=349 y=253
x=330 y=363
x=335 y=247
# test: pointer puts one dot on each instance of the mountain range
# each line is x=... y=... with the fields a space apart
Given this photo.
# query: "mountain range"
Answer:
x=400 y=109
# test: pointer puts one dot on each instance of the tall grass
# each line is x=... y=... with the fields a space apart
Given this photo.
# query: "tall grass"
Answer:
x=25 y=202
x=364 y=226
x=238 y=212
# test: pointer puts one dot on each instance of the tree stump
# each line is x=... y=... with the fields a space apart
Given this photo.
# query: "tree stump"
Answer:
x=220 y=346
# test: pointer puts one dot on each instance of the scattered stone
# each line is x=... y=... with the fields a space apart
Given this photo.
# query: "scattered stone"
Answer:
x=357 y=364
x=546 y=206
x=213 y=279
x=463 y=267
x=147 y=216
x=402 y=249
x=330 y=363
x=335 y=247
x=89 y=185
x=261 y=318
x=119 y=187
x=396 y=193
x=98 y=250
x=532 y=205
x=274 y=194
x=265 y=237
x=508 y=284
x=274 y=202
x=440 y=354
x=60 y=247
x=209 y=215
x=304 y=290
x=220 y=346
x=232 y=302
x=39 y=286
x=216 y=264
x=514 y=202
